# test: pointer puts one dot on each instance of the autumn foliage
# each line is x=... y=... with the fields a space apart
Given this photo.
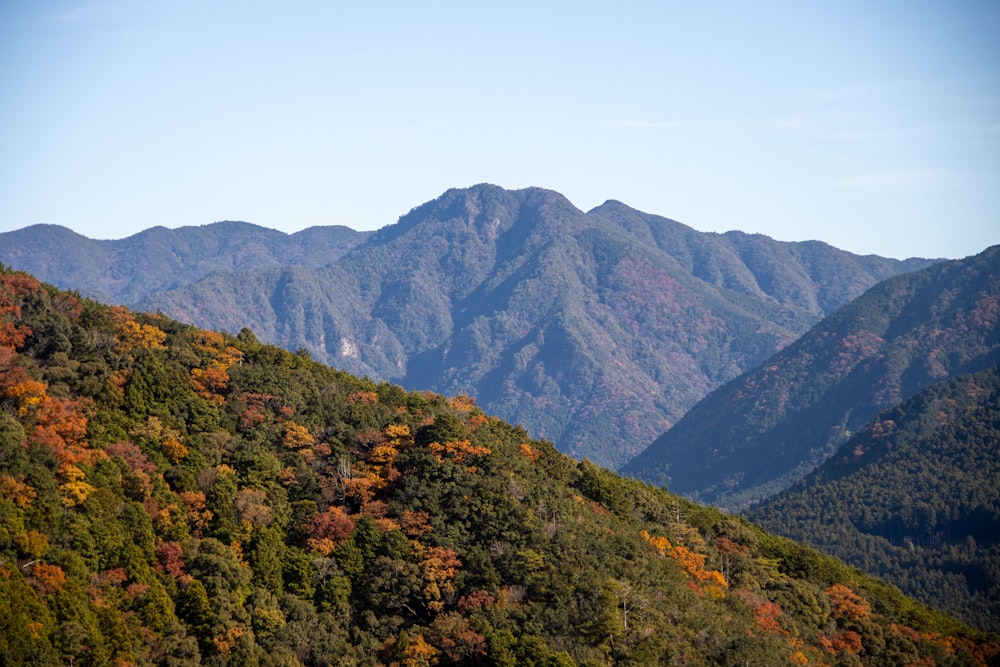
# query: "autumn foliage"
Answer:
x=847 y=604
x=692 y=562
x=47 y=579
x=13 y=286
x=329 y=529
x=174 y=496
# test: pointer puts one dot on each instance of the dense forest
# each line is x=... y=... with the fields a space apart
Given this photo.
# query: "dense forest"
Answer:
x=761 y=432
x=175 y=496
x=914 y=498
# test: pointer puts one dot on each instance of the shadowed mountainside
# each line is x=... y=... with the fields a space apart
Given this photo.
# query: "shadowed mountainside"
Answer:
x=761 y=432
x=913 y=498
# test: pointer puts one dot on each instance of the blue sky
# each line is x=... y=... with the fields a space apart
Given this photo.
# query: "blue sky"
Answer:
x=874 y=126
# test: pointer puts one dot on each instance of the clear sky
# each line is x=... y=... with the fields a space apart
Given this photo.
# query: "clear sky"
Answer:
x=872 y=125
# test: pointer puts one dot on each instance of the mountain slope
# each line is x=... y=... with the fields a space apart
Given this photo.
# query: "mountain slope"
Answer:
x=913 y=498
x=811 y=275
x=595 y=330
x=174 y=496
x=762 y=431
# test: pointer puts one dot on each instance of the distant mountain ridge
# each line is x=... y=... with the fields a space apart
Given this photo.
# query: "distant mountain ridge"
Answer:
x=595 y=330
x=761 y=432
x=128 y=270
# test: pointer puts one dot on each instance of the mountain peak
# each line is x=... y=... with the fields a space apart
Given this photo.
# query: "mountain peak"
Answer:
x=575 y=324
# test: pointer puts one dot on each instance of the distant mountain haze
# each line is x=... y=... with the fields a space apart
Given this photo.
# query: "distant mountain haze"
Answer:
x=596 y=330
x=762 y=431
x=127 y=270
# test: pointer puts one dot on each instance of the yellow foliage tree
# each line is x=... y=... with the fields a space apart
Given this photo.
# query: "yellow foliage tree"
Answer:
x=174 y=450
x=27 y=395
x=297 y=436
x=32 y=543
x=74 y=493
x=399 y=435
x=132 y=335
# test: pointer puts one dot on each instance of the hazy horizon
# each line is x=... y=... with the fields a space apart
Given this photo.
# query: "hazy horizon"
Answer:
x=874 y=128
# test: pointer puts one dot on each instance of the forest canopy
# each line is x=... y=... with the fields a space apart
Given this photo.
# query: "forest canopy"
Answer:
x=174 y=496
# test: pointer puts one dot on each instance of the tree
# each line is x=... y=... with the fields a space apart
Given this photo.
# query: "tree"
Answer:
x=14 y=286
x=47 y=579
x=329 y=529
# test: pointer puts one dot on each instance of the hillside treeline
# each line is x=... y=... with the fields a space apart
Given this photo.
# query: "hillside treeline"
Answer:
x=174 y=496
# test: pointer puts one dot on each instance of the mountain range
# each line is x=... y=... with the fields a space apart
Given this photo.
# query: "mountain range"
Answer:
x=176 y=496
x=659 y=288
x=596 y=330
x=764 y=430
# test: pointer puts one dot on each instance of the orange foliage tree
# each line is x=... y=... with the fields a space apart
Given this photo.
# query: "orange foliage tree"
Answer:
x=364 y=397
x=847 y=641
x=12 y=287
x=660 y=543
x=199 y=515
x=529 y=451
x=692 y=562
x=61 y=425
x=847 y=604
x=766 y=615
x=47 y=579
x=211 y=382
x=17 y=491
x=457 y=450
x=27 y=394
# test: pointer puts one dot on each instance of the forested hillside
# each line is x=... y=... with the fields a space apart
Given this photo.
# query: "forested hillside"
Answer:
x=595 y=330
x=174 y=496
x=914 y=498
x=763 y=431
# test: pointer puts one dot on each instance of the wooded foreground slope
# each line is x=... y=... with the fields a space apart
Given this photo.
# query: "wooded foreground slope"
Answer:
x=174 y=496
x=759 y=433
x=595 y=330
x=914 y=498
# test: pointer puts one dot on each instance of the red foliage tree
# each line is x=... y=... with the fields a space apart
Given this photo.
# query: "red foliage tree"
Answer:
x=329 y=529
x=169 y=559
x=12 y=287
